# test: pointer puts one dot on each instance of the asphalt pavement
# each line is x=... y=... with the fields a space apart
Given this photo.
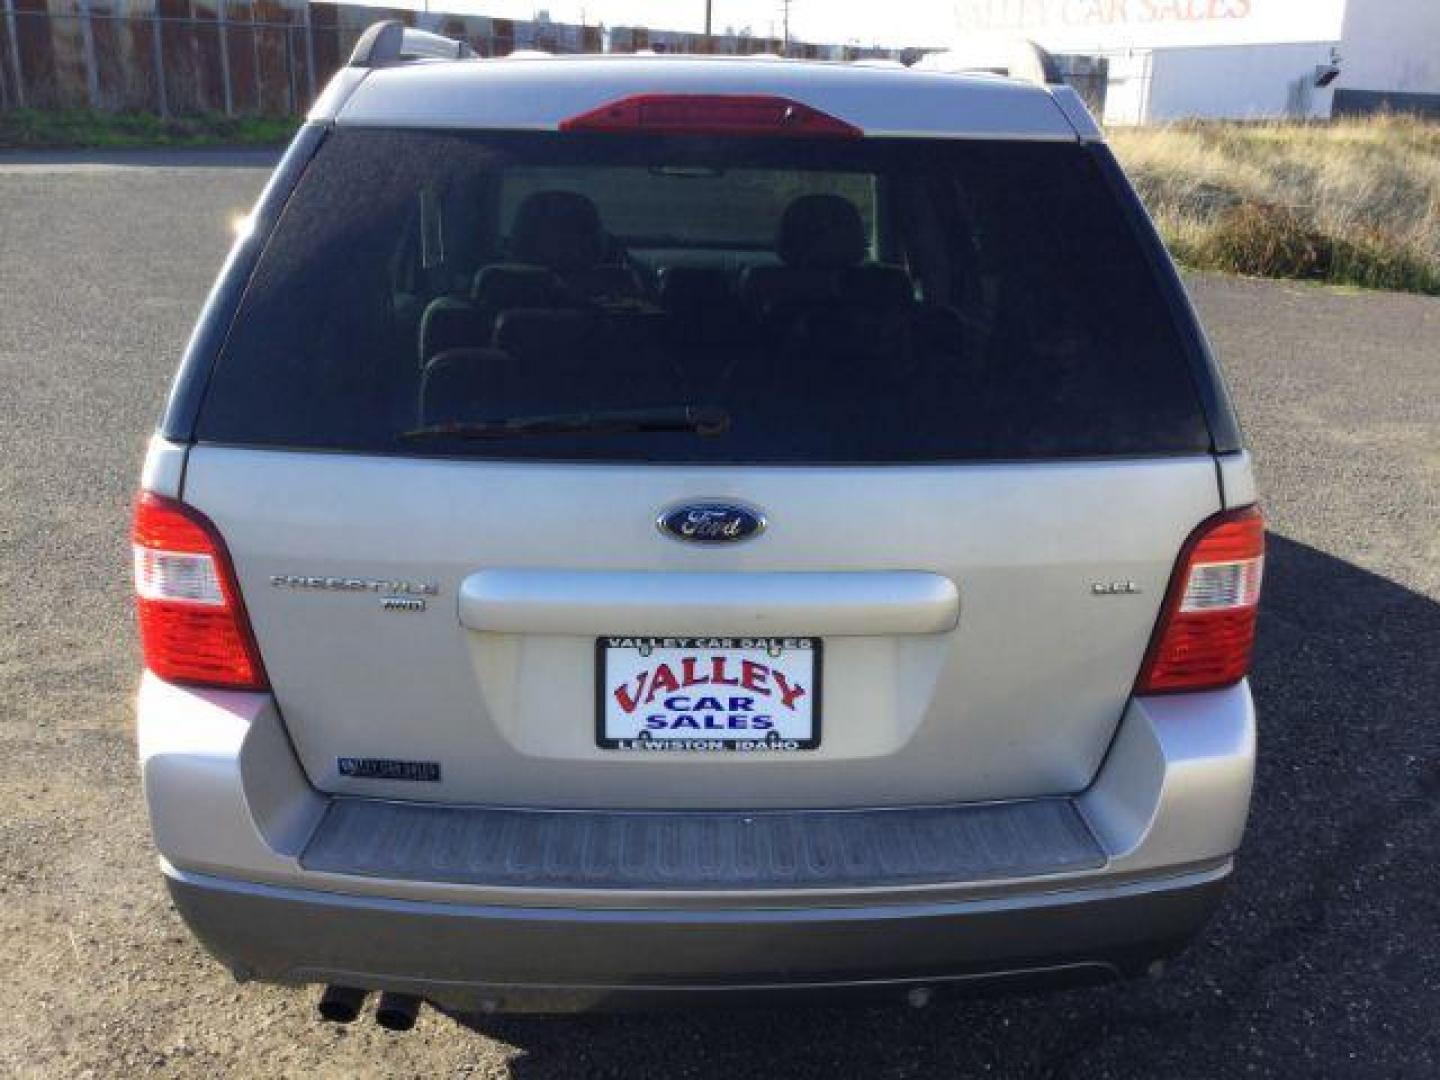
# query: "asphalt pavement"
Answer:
x=1323 y=961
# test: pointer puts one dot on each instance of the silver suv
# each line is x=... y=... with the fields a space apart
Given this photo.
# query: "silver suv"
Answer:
x=633 y=529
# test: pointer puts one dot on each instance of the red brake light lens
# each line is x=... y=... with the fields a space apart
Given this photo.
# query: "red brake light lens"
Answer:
x=711 y=114
x=193 y=626
x=1206 y=630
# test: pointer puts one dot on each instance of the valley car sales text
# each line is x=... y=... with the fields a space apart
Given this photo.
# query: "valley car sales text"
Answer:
x=709 y=693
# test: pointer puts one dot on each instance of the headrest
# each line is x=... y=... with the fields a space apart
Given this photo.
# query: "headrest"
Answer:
x=821 y=232
x=515 y=285
x=449 y=323
x=558 y=229
x=461 y=384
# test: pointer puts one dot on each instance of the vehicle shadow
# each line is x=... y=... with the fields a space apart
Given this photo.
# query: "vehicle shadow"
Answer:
x=1322 y=960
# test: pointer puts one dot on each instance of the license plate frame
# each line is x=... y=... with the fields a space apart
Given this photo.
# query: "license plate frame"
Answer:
x=736 y=649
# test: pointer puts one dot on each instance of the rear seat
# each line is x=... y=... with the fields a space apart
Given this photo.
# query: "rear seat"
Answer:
x=822 y=247
x=702 y=305
x=462 y=385
x=518 y=285
x=513 y=286
x=538 y=327
x=547 y=365
x=875 y=285
x=450 y=323
x=542 y=335
x=558 y=250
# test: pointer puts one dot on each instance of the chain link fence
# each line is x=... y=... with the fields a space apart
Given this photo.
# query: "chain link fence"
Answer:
x=264 y=57
x=231 y=61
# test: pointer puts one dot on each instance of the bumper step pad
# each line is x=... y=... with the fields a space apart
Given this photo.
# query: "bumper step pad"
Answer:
x=703 y=850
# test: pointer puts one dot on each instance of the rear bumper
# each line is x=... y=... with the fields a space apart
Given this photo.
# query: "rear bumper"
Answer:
x=237 y=824
x=500 y=958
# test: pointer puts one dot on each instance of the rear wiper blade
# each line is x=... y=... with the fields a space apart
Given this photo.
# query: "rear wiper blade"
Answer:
x=702 y=420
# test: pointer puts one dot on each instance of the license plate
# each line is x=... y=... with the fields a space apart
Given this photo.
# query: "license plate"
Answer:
x=708 y=694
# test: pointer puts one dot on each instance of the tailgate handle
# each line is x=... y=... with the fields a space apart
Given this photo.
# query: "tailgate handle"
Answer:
x=840 y=603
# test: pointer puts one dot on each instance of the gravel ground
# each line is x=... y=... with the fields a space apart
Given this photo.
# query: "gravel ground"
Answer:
x=1324 y=959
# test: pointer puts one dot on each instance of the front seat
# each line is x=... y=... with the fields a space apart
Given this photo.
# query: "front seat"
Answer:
x=826 y=298
x=562 y=231
x=819 y=236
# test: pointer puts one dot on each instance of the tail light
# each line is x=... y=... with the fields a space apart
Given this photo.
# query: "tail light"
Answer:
x=1207 y=626
x=193 y=626
x=711 y=114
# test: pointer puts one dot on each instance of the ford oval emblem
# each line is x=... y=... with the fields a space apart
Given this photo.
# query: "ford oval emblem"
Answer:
x=711 y=523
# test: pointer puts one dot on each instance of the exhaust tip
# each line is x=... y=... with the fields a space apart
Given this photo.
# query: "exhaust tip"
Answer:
x=397 y=1012
x=341 y=1004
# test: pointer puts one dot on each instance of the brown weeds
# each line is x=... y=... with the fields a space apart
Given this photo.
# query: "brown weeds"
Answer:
x=1352 y=202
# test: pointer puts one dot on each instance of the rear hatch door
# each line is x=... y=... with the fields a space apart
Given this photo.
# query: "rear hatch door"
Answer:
x=929 y=401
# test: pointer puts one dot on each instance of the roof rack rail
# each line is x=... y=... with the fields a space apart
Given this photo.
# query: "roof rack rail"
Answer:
x=1017 y=58
x=392 y=42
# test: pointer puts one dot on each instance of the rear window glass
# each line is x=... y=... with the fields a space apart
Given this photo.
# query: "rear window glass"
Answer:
x=644 y=298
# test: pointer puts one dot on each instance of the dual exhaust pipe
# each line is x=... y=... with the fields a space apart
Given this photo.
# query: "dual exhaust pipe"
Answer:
x=393 y=1012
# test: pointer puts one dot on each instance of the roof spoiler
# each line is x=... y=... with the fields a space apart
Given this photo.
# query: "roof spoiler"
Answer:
x=1017 y=58
x=392 y=42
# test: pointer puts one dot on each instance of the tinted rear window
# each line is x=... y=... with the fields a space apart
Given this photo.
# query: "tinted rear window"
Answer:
x=817 y=301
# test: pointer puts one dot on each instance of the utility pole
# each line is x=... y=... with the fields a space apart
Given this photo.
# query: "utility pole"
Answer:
x=785 y=17
x=707 y=18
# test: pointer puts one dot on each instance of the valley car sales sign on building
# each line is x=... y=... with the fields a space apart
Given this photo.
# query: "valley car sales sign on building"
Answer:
x=1079 y=25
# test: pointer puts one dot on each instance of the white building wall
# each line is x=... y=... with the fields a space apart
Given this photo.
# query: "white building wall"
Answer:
x=1391 y=46
x=1127 y=92
x=1232 y=59
x=1173 y=59
x=1242 y=82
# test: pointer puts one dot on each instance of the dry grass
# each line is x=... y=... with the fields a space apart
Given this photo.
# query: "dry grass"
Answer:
x=1354 y=202
x=48 y=129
